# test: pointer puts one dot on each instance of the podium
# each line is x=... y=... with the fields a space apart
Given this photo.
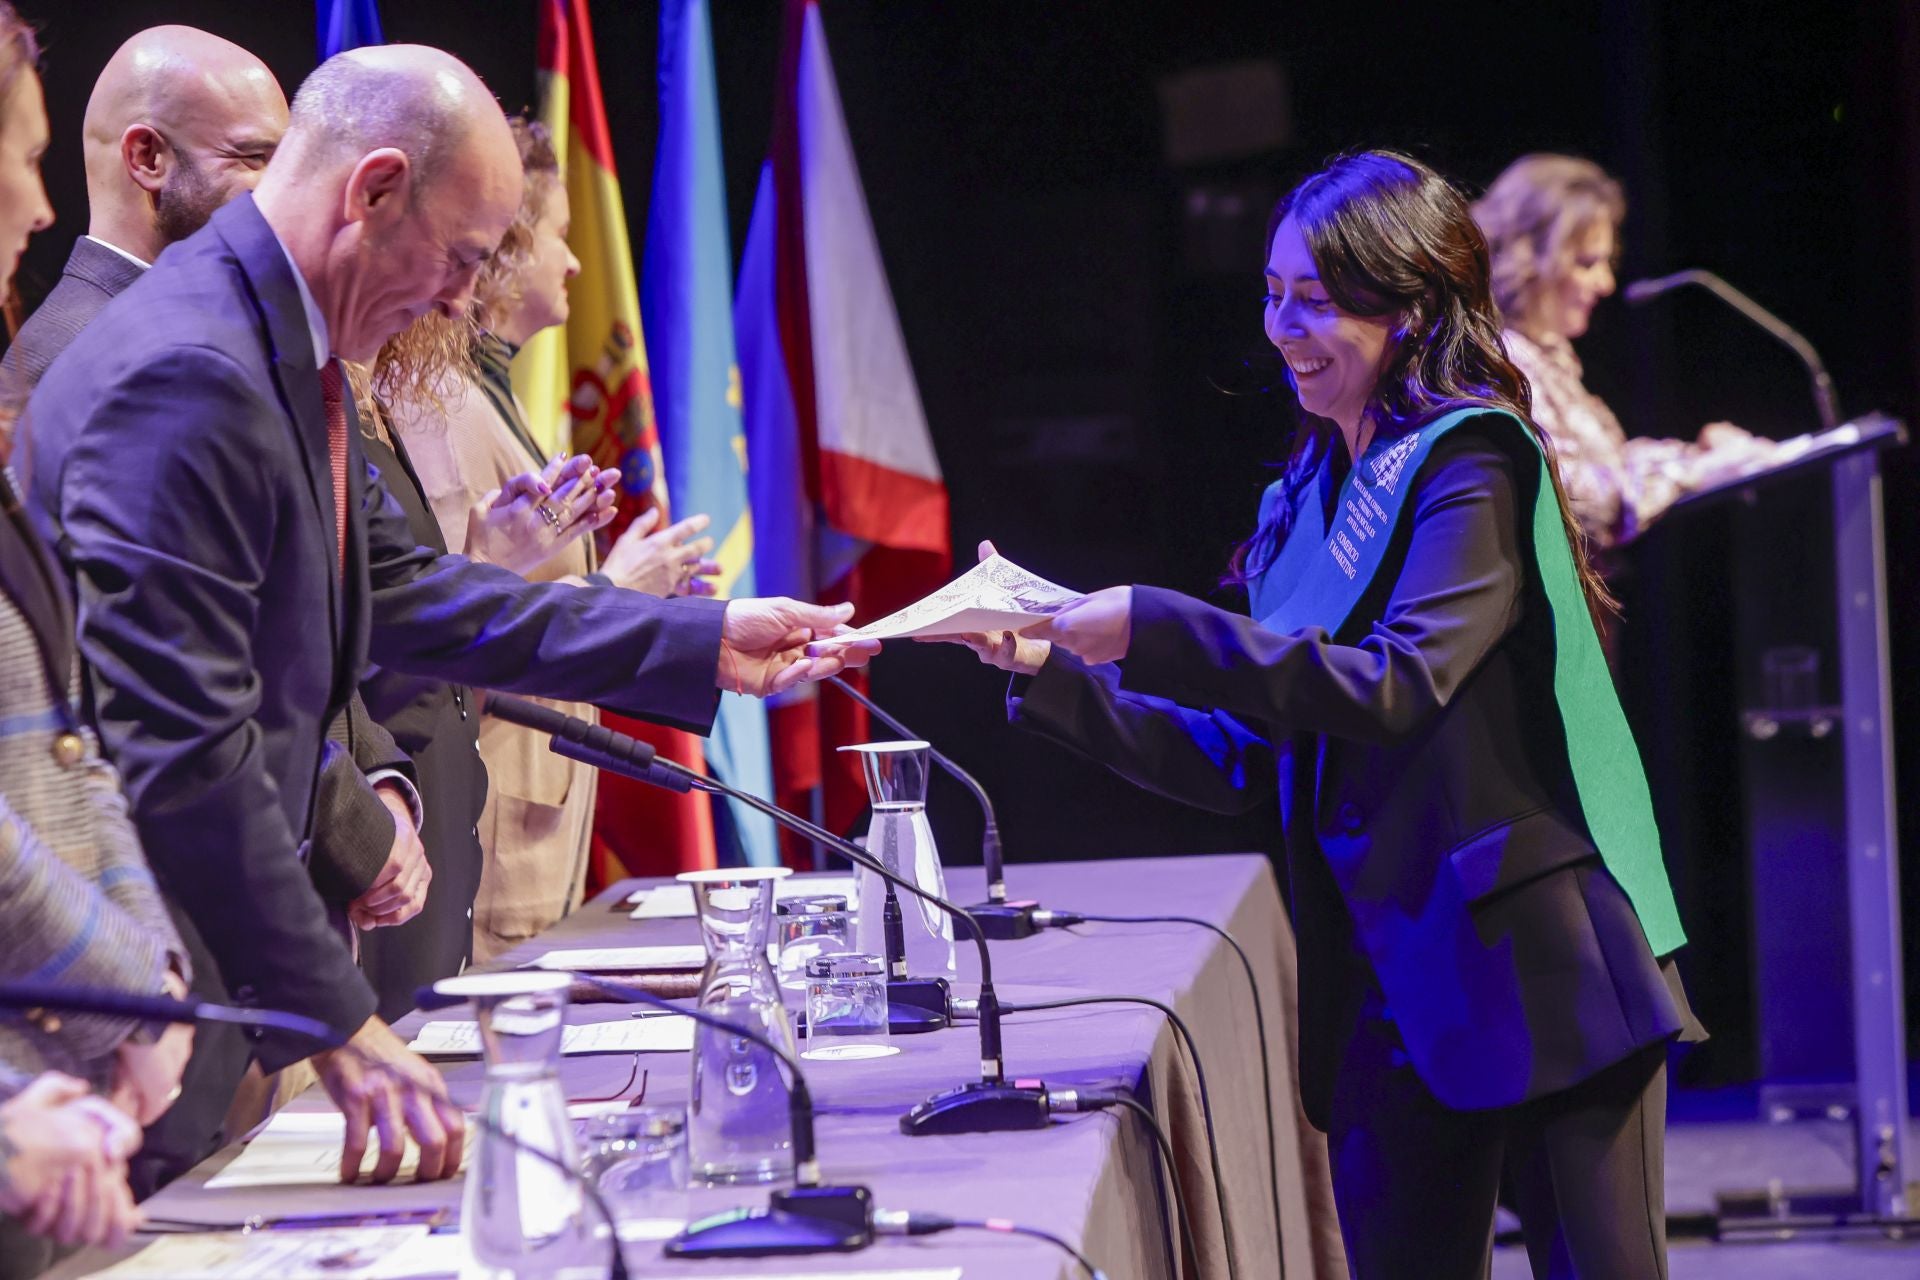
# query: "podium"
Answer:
x=1810 y=589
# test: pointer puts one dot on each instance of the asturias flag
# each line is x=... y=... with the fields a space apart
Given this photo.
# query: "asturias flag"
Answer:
x=348 y=24
x=585 y=384
x=847 y=495
x=685 y=297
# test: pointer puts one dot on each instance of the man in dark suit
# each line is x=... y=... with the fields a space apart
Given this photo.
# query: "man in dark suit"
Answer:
x=179 y=122
x=231 y=596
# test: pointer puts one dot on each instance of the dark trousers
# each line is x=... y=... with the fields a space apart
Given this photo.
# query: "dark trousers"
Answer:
x=1416 y=1182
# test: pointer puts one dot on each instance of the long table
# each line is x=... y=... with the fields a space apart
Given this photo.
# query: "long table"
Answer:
x=1093 y=1179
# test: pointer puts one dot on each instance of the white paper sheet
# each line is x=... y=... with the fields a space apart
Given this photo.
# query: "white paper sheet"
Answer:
x=623 y=959
x=675 y=901
x=659 y=1034
x=994 y=595
x=365 y=1253
x=302 y=1148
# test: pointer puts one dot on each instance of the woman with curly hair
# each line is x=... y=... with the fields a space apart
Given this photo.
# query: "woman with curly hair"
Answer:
x=1477 y=883
x=494 y=494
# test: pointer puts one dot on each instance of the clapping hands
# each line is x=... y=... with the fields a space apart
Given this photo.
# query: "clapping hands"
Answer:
x=66 y=1163
x=528 y=520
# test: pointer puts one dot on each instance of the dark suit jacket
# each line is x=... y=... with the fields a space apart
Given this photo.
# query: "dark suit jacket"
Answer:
x=439 y=726
x=353 y=831
x=180 y=467
x=1432 y=826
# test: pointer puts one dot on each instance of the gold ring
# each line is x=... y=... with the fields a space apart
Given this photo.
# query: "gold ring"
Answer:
x=546 y=513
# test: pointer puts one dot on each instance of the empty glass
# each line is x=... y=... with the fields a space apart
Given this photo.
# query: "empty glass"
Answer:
x=807 y=927
x=636 y=1153
x=847 y=1007
x=896 y=774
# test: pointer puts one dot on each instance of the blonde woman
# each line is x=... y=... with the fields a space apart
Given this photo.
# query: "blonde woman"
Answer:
x=1552 y=224
x=471 y=450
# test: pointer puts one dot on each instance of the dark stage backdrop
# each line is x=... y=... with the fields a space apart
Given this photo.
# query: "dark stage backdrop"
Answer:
x=1070 y=200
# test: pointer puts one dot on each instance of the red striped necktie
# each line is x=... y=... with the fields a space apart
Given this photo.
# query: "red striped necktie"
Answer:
x=333 y=392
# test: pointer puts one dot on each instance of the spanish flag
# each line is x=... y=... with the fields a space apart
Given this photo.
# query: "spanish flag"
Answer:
x=586 y=383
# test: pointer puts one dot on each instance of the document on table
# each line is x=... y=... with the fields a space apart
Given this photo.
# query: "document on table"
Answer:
x=675 y=901
x=363 y=1253
x=301 y=1149
x=623 y=959
x=658 y=1034
x=994 y=595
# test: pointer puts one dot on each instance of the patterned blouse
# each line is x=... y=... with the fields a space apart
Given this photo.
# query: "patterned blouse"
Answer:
x=1616 y=486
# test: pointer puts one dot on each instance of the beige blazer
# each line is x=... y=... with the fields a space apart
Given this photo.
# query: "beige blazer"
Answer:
x=538 y=819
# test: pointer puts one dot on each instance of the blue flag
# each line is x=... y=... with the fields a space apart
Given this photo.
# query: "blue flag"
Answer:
x=686 y=304
x=348 y=24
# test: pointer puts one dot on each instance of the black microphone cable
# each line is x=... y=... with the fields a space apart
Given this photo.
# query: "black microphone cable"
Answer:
x=1103 y=1099
x=1200 y=1077
x=903 y=1222
x=1067 y=919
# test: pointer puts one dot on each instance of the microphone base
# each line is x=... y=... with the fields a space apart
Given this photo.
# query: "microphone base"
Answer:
x=922 y=995
x=980 y=1107
x=904 y=1018
x=1006 y=921
x=802 y=1220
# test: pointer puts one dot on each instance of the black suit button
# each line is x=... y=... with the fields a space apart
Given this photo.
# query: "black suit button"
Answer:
x=1348 y=819
x=243 y=995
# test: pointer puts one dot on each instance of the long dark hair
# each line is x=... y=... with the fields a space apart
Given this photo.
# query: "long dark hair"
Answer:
x=1389 y=236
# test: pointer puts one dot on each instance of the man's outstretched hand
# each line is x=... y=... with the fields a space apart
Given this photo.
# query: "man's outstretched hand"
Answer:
x=769 y=646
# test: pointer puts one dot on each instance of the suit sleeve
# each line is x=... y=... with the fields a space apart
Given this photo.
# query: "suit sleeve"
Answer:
x=169 y=573
x=475 y=624
x=1456 y=597
x=1206 y=759
x=61 y=928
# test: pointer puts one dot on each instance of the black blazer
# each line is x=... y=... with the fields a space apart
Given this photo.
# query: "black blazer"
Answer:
x=1432 y=829
x=353 y=830
x=179 y=456
x=439 y=726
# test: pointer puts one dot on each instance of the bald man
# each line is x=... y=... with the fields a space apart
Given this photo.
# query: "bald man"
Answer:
x=180 y=121
x=232 y=595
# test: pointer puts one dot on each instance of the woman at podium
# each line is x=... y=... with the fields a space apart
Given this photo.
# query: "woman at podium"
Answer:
x=1552 y=225
x=1476 y=879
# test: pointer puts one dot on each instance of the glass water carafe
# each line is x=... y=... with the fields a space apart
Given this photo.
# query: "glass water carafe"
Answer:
x=521 y=1216
x=900 y=837
x=739 y=1122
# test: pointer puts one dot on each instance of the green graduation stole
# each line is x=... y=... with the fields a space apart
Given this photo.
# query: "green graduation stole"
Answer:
x=1320 y=574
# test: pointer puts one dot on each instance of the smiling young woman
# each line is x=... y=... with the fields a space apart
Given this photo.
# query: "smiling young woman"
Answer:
x=1477 y=883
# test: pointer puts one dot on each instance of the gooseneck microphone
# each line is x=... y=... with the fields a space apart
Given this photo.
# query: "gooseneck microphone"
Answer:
x=34 y=996
x=988 y=1105
x=913 y=1006
x=1824 y=400
x=808 y=1219
x=1004 y=921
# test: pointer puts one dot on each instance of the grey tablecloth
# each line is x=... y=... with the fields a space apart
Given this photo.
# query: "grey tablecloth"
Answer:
x=1092 y=1178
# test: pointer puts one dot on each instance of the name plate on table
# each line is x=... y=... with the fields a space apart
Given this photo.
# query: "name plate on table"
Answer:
x=360 y=1253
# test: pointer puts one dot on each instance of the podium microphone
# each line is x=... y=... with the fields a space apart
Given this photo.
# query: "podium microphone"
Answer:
x=1004 y=921
x=988 y=1105
x=1824 y=400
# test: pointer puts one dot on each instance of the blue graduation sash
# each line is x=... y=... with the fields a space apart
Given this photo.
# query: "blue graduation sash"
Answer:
x=1320 y=574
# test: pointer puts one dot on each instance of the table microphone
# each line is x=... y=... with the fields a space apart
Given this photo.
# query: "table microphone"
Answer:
x=810 y=1218
x=914 y=1005
x=988 y=1105
x=1004 y=921
x=1823 y=396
